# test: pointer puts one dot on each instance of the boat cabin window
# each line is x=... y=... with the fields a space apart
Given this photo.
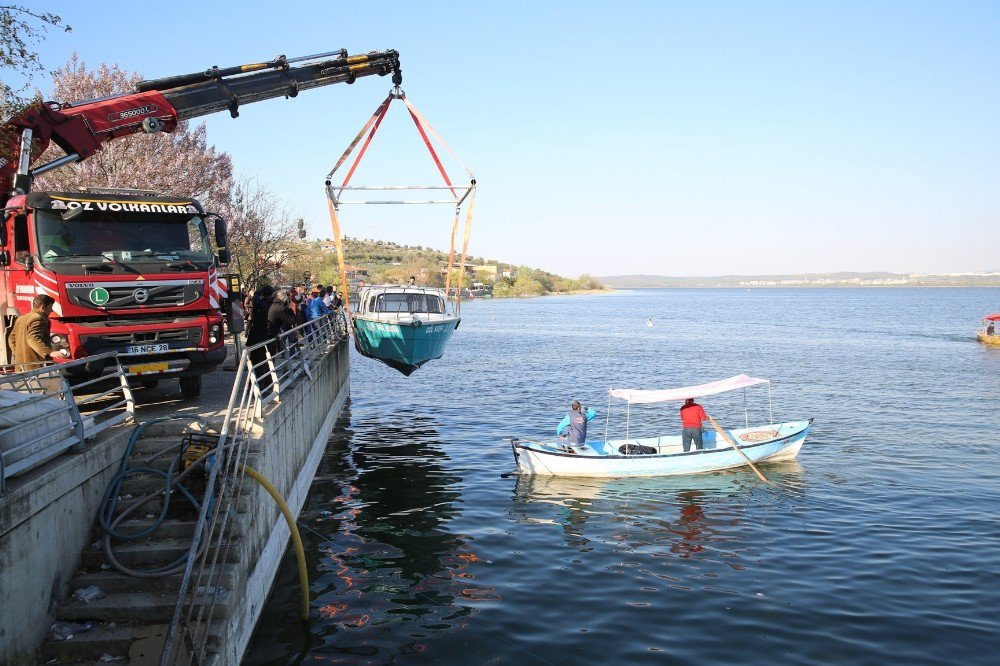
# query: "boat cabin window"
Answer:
x=409 y=303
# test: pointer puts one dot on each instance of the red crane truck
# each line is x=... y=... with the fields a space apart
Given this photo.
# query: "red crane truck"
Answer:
x=131 y=271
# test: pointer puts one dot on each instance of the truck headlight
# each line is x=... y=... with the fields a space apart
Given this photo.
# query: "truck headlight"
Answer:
x=214 y=333
x=58 y=341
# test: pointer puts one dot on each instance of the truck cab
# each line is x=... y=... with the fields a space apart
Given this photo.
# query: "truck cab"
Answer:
x=131 y=272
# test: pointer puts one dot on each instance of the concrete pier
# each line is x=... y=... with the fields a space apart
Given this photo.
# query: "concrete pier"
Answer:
x=47 y=520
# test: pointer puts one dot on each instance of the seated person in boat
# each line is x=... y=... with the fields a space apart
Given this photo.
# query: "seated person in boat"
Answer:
x=990 y=329
x=692 y=415
x=574 y=425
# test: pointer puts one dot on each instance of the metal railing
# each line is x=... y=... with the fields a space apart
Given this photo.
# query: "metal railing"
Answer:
x=263 y=372
x=42 y=414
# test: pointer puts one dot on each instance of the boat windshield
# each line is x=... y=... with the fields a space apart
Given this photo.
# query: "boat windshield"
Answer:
x=122 y=236
x=408 y=303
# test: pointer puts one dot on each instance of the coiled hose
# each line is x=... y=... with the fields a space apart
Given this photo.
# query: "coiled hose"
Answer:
x=171 y=481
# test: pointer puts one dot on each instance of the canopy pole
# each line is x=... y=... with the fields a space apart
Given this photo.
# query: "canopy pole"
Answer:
x=465 y=249
x=451 y=254
x=770 y=412
x=607 y=421
x=746 y=414
x=628 y=418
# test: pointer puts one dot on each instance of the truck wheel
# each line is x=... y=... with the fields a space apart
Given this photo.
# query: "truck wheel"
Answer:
x=191 y=386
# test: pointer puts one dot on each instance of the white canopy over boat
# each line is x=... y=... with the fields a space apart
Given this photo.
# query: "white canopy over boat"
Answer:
x=637 y=396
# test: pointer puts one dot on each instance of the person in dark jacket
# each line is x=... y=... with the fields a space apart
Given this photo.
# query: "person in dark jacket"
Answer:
x=257 y=332
x=280 y=317
x=574 y=425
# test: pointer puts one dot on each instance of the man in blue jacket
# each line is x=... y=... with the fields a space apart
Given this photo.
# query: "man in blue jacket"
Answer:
x=317 y=308
x=574 y=425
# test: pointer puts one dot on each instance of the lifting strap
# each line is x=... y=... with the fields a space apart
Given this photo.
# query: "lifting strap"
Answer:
x=423 y=128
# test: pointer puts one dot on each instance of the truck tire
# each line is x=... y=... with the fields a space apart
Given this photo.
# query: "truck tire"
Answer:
x=191 y=386
x=149 y=383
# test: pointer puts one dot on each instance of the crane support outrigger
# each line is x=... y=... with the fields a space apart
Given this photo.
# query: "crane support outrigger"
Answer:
x=115 y=288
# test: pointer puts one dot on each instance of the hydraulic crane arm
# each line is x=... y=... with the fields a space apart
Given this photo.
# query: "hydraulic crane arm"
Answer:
x=81 y=129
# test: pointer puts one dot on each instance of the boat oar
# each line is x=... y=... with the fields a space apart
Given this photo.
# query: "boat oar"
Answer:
x=733 y=444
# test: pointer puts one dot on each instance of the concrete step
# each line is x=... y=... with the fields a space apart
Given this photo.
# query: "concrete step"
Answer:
x=112 y=581
x=171 y=528
x=133 y=607
x=145 y=554
x=89 y=646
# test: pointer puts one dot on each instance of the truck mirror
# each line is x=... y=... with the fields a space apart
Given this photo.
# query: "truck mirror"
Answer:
x=220 y=232
x=4 y=258
x=223 y=256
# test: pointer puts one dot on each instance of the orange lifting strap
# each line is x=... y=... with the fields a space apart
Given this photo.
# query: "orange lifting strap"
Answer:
x=459 y=193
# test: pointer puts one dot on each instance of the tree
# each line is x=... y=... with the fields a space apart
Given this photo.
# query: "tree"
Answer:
x=20 y=28
x=180 y=163
x=263 y=239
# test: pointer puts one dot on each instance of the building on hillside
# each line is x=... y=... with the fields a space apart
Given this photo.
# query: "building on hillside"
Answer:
x=356 y=274
x=486 y=272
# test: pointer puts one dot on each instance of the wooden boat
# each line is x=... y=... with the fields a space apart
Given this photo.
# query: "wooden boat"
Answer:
x=403 y=326
x=663 y=455
x=985 y=335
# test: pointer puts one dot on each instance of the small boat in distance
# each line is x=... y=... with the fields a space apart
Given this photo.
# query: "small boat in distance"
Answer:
x=663 y=455
x=403 y=326
x=988 y=335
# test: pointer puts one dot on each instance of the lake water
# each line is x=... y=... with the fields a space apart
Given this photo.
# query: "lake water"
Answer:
x=879 y=544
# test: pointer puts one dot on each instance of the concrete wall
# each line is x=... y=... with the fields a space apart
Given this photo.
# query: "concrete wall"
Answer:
x=47 y=518
x=288 y=451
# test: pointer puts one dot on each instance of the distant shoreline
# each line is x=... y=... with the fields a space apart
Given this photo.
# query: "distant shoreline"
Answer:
x=811 y=286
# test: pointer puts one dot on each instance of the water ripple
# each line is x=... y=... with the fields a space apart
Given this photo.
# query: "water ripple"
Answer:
x=877 y=546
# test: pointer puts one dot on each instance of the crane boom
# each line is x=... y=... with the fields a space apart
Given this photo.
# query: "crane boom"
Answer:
x=81 y=129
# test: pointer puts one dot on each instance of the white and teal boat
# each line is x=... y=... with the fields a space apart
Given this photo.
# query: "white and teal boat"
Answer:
x=663 y=455
x=403 y=326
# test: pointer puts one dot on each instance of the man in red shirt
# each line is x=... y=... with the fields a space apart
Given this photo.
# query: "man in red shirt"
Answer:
x=691 y=417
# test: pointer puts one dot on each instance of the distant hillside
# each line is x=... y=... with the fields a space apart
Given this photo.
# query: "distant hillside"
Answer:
x=388 y=262
x=842 y=279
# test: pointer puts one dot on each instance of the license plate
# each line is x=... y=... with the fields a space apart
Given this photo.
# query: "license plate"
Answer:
x=148 y=367
x=147 y=349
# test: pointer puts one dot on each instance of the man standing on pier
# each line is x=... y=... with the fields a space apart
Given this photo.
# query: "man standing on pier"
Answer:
x=29 y=339
x=692 y=415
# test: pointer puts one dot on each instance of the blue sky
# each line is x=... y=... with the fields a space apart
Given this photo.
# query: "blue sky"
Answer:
x=671 y=138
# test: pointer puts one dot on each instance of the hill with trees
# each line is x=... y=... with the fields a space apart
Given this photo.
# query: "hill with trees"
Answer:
x=389 y=262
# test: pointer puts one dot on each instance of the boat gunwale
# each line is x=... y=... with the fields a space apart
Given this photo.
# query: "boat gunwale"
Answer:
x=653 y=456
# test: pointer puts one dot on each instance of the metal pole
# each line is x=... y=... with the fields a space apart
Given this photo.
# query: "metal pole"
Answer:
x=746 y=415
x=607 y=421
x=770 y=412
x=628 y=419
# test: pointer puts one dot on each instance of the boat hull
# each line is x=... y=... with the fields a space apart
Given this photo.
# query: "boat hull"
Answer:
x=988 y=339
x=403 y=346
x=602 y=459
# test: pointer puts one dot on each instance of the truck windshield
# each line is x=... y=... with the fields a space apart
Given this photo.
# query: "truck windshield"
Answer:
x=121 y=236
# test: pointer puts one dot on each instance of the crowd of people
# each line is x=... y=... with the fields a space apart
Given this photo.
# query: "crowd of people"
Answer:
x=267 y=313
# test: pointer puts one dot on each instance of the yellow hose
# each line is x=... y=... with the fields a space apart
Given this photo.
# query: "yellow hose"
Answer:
x=300 y=553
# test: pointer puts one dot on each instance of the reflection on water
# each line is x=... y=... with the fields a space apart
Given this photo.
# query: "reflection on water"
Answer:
x=691 y=518
x=375 y=524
